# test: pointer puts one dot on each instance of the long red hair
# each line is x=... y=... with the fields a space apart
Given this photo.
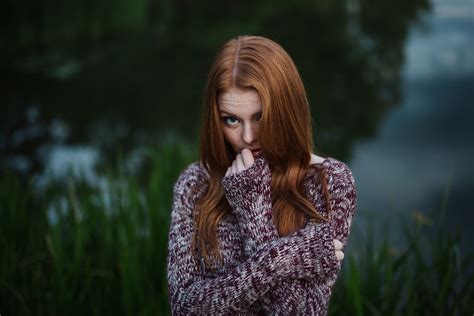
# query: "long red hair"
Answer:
x=285 y=136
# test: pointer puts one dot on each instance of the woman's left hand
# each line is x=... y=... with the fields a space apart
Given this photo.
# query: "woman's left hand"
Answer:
x=243 y=161
x=338 y=248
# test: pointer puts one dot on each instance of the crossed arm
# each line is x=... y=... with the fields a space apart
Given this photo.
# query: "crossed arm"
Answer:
x=252 y=205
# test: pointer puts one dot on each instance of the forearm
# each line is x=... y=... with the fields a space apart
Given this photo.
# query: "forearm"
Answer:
x=242 y=285
x=310 y=296
x=297 y=297
x=257 y=227
x=307 y=294
x=229 y=293
x=249 y=194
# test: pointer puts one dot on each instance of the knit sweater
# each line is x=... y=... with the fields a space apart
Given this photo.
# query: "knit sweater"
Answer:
x=261 y=273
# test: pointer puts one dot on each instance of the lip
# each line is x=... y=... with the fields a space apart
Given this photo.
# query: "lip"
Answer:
x=256 y=152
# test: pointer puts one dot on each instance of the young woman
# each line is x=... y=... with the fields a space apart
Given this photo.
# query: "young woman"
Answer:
x=259 y=224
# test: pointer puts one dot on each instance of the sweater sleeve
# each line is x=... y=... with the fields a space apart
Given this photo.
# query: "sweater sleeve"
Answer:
x=311 y=295
x=191 y=291
x=248 y=193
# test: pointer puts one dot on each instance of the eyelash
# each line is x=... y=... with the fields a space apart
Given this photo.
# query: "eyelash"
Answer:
x=226 y=122
x=226 y=118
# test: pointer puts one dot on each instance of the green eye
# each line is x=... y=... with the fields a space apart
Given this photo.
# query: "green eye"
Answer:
x=230 y=120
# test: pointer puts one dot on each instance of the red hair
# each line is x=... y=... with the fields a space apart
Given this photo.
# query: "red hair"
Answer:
x=285 y=135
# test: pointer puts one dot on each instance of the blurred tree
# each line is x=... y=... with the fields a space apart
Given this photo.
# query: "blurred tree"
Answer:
x=128 y=62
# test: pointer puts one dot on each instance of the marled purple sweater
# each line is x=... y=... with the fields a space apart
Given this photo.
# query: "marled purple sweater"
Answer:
x=261 y=273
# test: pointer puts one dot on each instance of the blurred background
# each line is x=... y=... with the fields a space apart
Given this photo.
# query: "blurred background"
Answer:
x=101 y=104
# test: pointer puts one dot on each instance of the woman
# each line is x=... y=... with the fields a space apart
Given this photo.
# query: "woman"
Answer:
x=259 y=224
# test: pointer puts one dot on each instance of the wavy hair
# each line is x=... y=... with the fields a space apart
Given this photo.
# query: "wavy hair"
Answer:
x=285 y=136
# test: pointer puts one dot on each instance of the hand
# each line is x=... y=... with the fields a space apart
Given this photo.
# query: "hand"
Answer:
x=243 y=161
x=338 y=247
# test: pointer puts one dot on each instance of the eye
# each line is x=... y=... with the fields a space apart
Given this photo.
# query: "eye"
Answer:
x=230 y=121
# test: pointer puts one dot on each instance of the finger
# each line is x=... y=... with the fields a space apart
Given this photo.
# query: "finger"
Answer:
x=247 y=157
x=339 y=255
x=234 y=168
x=229 y=170
x=337 y=244
x=239 y=163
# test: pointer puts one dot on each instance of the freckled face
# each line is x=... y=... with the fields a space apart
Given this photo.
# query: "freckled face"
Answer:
x=240 y=112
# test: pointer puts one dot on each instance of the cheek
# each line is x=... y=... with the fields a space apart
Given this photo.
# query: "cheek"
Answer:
x=256 y=129
x=232 y=137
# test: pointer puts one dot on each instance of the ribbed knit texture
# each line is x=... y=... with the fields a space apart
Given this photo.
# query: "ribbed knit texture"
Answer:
x=261 y=273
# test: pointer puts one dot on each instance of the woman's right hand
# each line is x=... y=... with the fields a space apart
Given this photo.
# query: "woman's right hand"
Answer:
x=242 y=161
x=338 y=247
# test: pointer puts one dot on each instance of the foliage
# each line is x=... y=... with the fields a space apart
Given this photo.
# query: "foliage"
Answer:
x=427 y=276
x=79 y=249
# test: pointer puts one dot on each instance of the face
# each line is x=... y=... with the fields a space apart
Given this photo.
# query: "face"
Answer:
x=240 y=112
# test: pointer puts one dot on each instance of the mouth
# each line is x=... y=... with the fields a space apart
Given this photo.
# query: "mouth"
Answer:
x=256 y=152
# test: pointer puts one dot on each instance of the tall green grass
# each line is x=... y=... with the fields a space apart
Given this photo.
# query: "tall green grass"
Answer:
x=425 y=274
x=78 y=249
x=104 y=253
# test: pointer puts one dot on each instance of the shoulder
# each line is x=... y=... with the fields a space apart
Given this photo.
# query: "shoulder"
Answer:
x=316 y=159
x=338 y=175
x=340 y=185
x=191 y=183
x=194 y=172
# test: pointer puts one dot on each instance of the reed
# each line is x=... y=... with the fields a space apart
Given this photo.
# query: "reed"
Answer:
x=426 y=273
x=97 y=250
x=78 y=249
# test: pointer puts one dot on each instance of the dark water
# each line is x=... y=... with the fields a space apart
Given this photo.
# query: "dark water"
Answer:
x=421 y=159
x=390 y=87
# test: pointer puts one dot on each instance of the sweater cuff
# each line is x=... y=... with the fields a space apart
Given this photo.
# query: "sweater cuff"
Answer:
x=251 y=180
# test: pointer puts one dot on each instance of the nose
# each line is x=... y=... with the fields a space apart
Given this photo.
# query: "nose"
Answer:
x=249 y=133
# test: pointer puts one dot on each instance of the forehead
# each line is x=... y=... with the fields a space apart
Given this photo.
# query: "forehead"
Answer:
x=239 y=99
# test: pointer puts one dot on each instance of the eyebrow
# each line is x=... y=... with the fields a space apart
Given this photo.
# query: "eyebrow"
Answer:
x=222 y=112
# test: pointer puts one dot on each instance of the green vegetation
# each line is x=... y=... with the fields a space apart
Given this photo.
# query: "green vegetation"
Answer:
x=102 y=251
x=430 y=275
x=81 y=250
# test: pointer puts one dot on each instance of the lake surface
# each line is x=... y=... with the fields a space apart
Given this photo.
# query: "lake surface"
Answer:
x=421 y=159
